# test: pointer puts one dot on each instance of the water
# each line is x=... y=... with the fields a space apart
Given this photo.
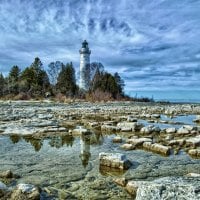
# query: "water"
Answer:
x=68 y=166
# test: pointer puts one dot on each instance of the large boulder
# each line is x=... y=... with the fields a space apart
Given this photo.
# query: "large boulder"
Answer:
x=165 y=188
x=114 y=160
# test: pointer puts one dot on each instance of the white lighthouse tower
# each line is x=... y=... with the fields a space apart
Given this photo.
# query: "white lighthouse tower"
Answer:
x=84 y=66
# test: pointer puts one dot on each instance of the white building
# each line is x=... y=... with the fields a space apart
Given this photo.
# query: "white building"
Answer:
x=84 y=66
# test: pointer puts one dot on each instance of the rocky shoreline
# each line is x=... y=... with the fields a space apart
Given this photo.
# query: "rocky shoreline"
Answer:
x=159 y=140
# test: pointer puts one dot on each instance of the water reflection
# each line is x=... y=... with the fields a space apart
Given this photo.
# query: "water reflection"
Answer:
x=59 y=141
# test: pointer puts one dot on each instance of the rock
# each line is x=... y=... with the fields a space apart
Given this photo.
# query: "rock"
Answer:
x=195 y=141
x=155 y=116
x=194 y=153
x=3 y=189
x=132 y=187
x=165 y=188
x=114 y=160
x=120 y=181
x=157 y=148
x=81 y=131
x=156 y=129
x=138 y=141
x=193 y=175
x=190 y=128
x=170 y=130
x=117 y=139
x=146 y=130
x=169 y=137
x=26 y=191
x=6 y=174
x=135 y=126
x=183 y=131
x=110 y=128
x=126 y=129
x=180 y=142
x=128 y=146
x=131 y=119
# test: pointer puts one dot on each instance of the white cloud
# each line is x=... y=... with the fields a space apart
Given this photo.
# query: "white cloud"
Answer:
x=148 y=42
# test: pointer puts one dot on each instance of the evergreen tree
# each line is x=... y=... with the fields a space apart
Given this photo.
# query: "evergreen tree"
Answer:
x=13 y=80
x=120 y=83
x=66 y=83
x=34 y=79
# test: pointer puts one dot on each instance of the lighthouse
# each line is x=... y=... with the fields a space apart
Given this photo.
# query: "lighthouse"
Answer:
x=84 y=66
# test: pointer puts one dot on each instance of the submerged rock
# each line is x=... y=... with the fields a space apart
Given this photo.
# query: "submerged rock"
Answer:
x=114 y=160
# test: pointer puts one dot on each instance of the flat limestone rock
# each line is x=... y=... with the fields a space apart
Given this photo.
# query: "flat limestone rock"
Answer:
x=138 y=141
x=157 y=148
x=114 y=160
x=165 y=188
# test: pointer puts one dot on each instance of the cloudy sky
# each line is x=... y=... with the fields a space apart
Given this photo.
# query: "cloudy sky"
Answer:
x=153 y=44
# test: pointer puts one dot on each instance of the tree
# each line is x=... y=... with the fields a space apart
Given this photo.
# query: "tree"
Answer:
x=120 y=83
x=13 y=80
x=104 y=82
x=34 y=79
x=54 y=69
x=2 y=85
x=66 y=83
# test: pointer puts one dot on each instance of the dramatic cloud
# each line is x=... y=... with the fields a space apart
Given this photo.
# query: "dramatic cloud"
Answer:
x=154 y=45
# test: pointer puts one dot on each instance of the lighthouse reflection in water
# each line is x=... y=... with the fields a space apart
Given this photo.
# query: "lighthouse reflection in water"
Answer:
x=85 y=142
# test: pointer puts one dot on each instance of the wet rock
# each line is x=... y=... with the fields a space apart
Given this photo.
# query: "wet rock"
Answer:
x=155 y=116
x=165 y=188
x=146 y=130
x=157 y=148
x=120 y=181
x=128 y=147
x=138 y=141
x=114 y=160
x=170 y=130
x=194 y=141
x=6 y=174
x=190 y=128
x=117 y=139
x=183 y=131
x=135 y=126
x=3 y=189
x=193 y=175
x=126 y=129
x=194 y=153
x=109 y=128
x=81 y=131
x=26 y=191
x=131 y=119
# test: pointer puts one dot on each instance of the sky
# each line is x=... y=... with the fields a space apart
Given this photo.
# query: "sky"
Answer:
x=153 y=44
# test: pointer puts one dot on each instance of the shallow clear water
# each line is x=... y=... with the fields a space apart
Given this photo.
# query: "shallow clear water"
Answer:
x=62 y=163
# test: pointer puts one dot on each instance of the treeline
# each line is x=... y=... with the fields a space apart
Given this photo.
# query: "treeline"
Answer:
x=58 y=81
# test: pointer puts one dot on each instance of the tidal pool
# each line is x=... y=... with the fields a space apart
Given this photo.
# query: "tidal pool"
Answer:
x=68 y=167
